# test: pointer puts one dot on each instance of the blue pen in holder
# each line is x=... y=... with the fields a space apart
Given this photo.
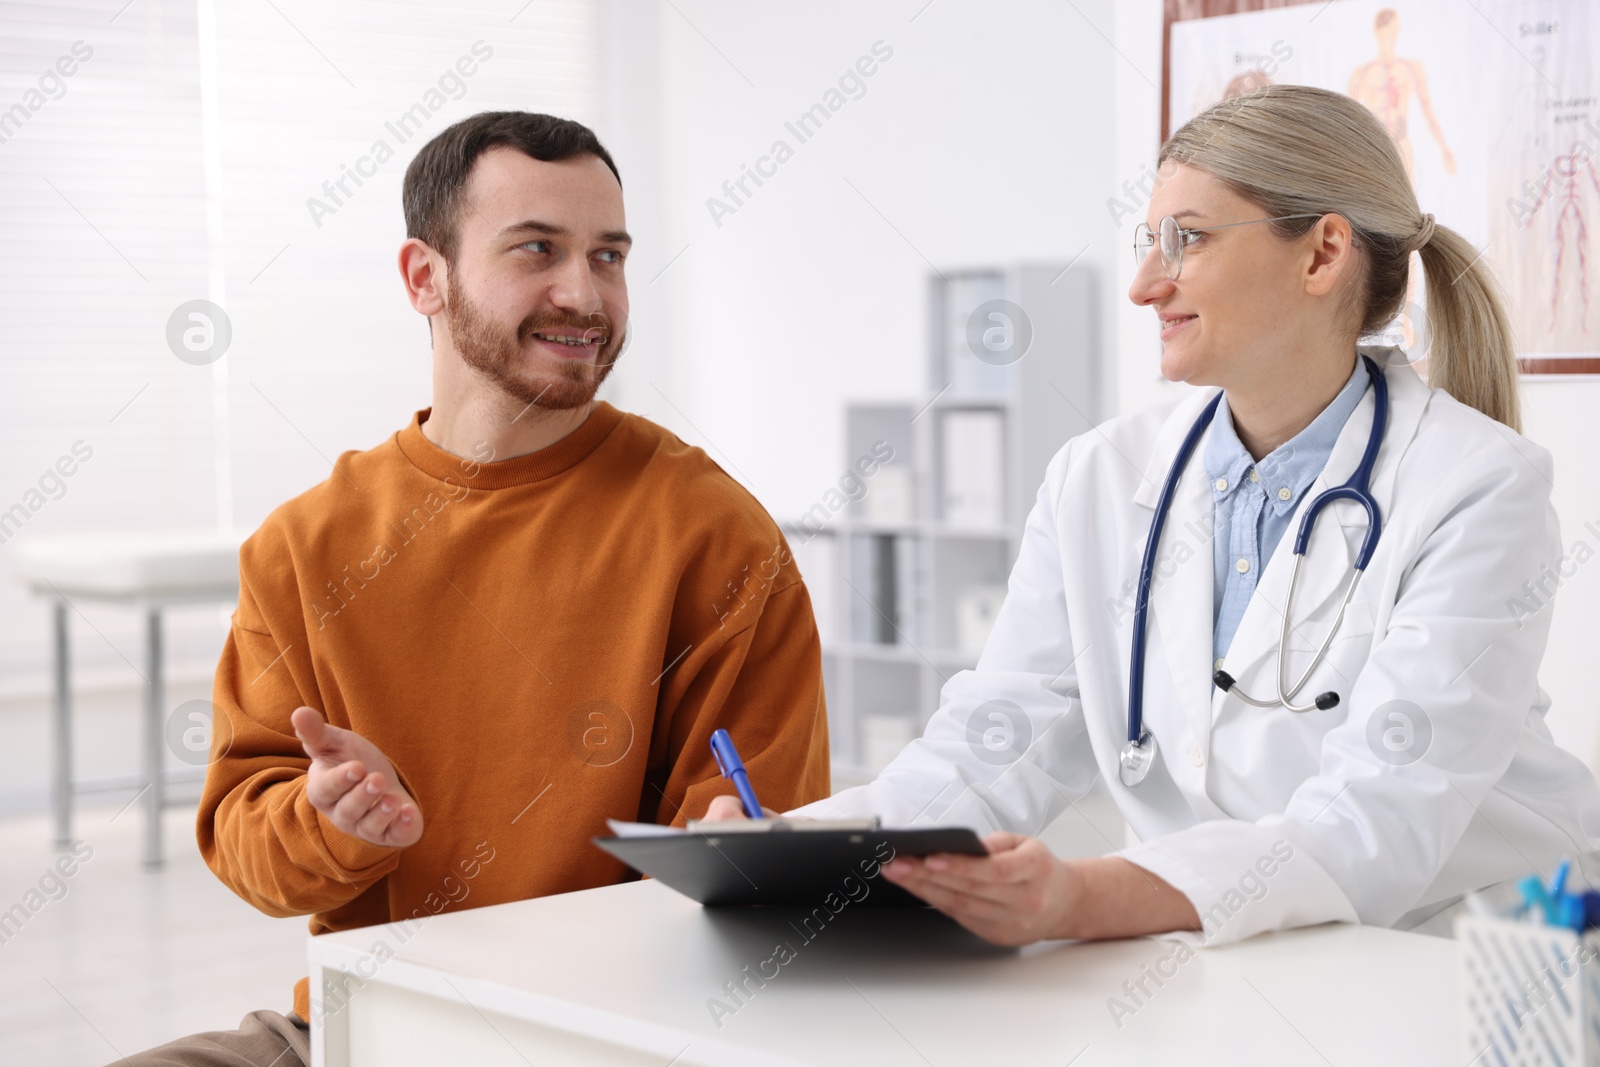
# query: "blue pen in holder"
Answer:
x=1530 y=985
x=1530 y=994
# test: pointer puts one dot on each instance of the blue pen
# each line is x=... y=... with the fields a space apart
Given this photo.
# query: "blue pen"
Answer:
x=1536 y=902
x=733 y=767
x=1568 y=908
x=1589 y=903
x=1554 y=904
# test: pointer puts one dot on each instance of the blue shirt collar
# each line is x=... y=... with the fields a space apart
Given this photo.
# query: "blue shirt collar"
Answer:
x=1293 y=465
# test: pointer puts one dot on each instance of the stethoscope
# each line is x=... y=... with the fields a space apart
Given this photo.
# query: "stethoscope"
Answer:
x=1140 y=752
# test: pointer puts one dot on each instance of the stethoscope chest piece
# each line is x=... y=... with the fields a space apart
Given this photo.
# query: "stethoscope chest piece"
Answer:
x=1137 y=757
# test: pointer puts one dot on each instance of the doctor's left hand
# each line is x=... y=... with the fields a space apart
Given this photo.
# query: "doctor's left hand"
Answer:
x=1021 y=893
x=1018 y=894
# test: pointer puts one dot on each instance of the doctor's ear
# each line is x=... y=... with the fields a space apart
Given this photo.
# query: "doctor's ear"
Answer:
x=1330 y=256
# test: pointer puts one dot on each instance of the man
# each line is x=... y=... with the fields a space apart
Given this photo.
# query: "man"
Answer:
x=523 y=614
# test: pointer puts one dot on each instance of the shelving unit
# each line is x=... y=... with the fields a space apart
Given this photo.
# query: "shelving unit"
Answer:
x=906 y=576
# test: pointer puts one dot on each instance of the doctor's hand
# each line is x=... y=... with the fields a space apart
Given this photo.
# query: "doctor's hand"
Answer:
x=1021 y=893
x=1018 y=894
x=354 y=784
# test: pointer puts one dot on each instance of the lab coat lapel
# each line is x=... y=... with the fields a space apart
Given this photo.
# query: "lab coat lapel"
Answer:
x=1180 y=615
x=1336 y=542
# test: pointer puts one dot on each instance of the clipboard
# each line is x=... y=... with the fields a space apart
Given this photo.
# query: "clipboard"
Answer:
x=780 y=864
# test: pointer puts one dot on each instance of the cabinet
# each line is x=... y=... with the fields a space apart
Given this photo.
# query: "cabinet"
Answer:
x=907 y=573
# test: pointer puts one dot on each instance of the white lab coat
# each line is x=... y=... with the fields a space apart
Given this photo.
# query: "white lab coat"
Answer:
x=1268 y=819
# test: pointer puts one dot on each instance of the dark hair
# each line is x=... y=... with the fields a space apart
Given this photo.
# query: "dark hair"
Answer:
x=431 y=194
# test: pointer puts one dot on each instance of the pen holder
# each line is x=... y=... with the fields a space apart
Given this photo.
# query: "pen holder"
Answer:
x=1530 y=994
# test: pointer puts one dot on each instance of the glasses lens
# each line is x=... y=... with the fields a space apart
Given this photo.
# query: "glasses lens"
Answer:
x=1171 y=247
x=1142 y=240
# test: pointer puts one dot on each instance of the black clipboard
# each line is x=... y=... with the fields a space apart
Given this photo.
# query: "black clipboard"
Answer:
x=782 y=866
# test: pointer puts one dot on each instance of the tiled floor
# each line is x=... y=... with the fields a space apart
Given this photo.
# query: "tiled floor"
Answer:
x=128 y=958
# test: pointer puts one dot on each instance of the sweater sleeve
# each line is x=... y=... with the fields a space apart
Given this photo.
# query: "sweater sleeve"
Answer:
x=256 y=827
x=762 y=682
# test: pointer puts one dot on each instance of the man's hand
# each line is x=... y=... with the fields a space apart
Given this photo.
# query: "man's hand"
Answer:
x=726 y=807
x=354 y=784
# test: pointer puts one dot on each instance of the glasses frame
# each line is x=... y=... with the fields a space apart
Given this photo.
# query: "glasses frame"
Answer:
x=1144 y=239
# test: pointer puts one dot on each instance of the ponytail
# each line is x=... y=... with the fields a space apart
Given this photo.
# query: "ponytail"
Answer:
x=1472 y=355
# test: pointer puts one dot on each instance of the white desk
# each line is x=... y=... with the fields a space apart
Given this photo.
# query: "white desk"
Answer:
x=621 y=975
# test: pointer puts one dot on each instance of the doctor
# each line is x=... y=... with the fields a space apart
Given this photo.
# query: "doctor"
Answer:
x=1363 y=753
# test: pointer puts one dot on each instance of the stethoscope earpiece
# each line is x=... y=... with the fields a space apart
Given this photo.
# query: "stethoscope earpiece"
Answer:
x=1224 y=681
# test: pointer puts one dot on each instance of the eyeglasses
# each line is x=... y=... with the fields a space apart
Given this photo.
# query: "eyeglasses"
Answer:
x=1174 y=238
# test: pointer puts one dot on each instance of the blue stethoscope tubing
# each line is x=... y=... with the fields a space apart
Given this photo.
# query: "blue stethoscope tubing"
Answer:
x=1139 y=752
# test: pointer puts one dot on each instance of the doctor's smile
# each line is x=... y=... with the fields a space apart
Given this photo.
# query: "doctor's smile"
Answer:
x=1171 y=324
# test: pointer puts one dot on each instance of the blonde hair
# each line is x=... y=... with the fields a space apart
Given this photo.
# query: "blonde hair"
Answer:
x=1294 y=149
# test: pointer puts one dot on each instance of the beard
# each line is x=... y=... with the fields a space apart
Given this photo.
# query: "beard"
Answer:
x=498 y=355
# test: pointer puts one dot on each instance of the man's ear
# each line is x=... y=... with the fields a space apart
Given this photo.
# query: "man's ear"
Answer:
x=426 y=276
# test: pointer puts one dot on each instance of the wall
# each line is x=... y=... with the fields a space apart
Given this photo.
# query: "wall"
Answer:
x=1560 y=416
x=978 y=140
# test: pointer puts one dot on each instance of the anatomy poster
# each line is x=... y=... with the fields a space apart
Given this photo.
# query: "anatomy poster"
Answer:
x=1545 y=174
x=1493 y=106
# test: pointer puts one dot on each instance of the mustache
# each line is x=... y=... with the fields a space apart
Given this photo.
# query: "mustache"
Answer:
x=594 y=327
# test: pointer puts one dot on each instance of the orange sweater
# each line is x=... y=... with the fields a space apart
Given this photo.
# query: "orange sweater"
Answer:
x=537 y=644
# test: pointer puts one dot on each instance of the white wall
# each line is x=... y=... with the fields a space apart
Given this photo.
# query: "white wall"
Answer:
x=1136 y=118
x=981 y=140
x=1560 y=415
